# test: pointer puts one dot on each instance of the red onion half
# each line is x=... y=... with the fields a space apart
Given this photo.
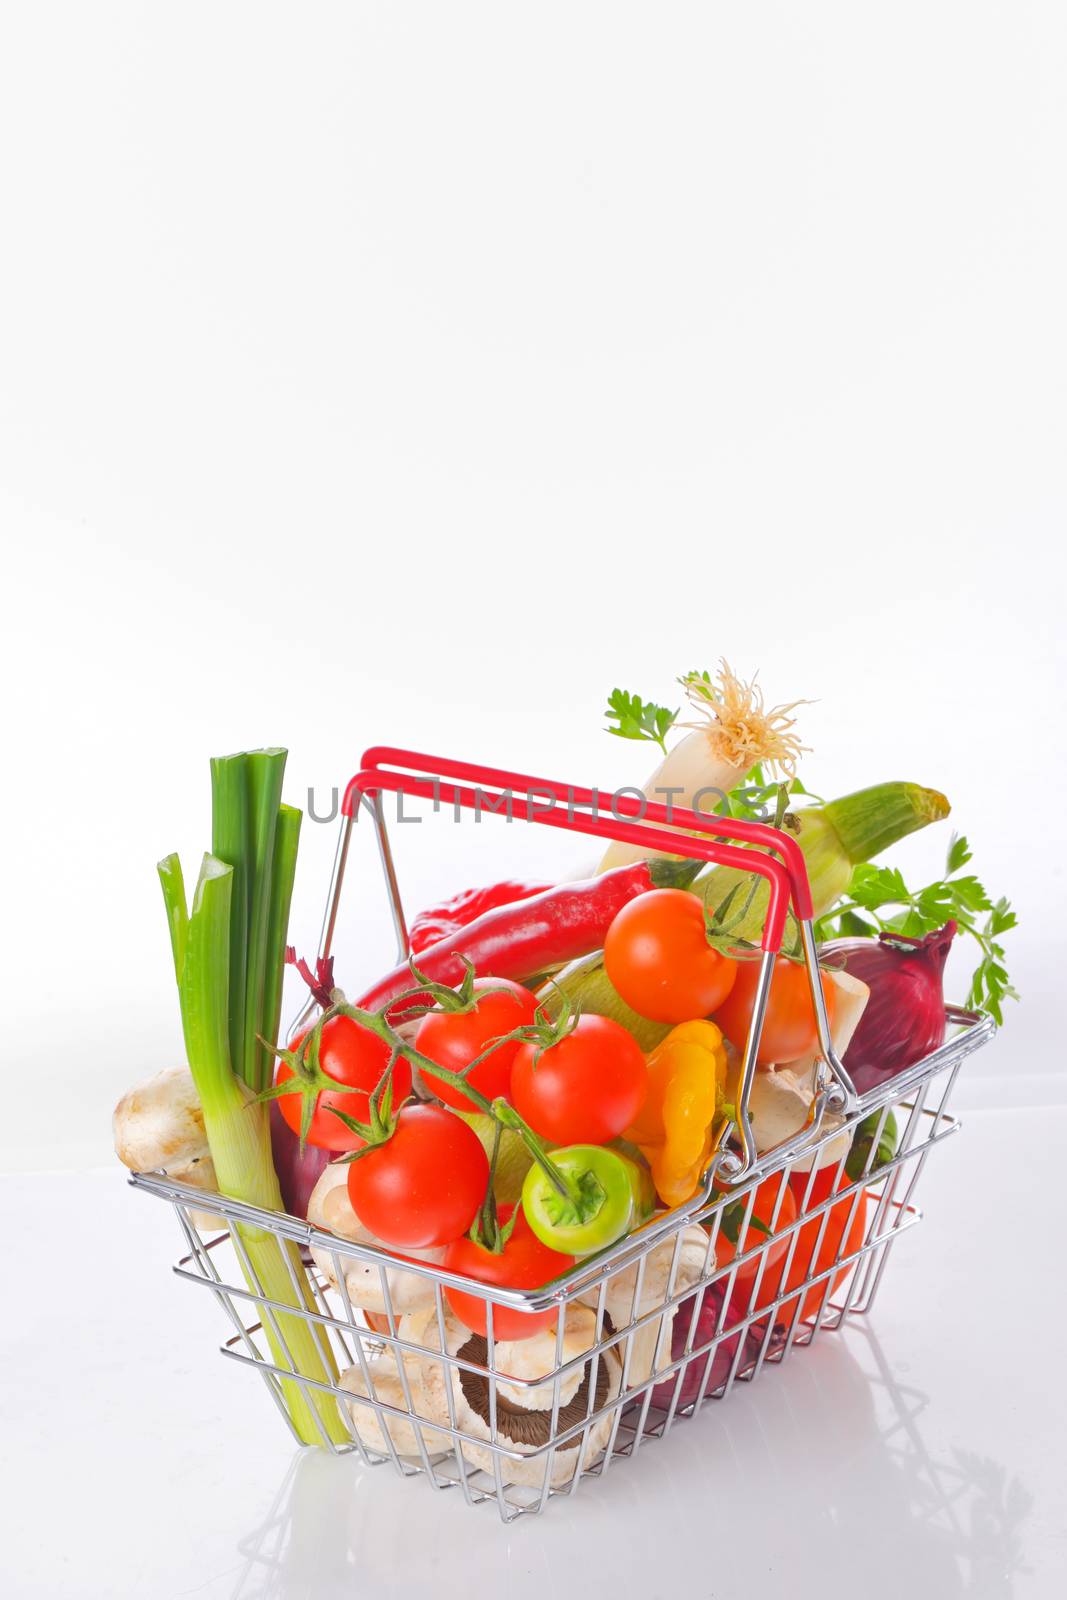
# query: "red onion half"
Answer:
x=904 y=1019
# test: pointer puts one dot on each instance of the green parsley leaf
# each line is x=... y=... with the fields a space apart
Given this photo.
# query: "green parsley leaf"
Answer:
x=958 y=854
x=639 y=719
x=889 y=906
x=969 y=893
x=872 y=886
x=1002 y=919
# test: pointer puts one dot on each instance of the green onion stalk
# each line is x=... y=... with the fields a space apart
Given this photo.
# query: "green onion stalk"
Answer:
x=229 y=951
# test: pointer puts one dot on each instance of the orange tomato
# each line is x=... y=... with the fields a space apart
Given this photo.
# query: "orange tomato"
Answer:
x=789 y=1028
x=657 y=955
x=763 y=1205
x=846 y=1228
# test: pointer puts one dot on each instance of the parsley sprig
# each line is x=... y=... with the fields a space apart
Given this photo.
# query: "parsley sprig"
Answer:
x=879 y=901
x=639 y=719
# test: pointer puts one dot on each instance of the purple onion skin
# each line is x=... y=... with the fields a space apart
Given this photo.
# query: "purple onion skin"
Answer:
x=904 y=1019
x=707 y=1321
x=297 y=1174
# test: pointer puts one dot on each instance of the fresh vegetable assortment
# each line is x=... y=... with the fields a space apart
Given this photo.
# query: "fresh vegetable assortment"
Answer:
x=558 y=1062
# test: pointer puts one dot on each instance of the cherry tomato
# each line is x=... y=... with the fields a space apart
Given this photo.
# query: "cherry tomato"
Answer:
x=423 y=1186
x=586 y=1089
x=657 y=955
x=755 y=1234
x=524 y=1263
x=602 y=1209
x=789 y=1029
x=357 y=1059
x=455 y=1038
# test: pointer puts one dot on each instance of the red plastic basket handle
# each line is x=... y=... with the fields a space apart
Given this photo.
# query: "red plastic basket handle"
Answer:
x=626 y=802
x=492 y=784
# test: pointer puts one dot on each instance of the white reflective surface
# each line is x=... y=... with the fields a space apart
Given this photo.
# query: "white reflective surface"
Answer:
x=919 y=1453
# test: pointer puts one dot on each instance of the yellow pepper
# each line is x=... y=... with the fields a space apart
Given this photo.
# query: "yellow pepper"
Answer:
x=683 y=1111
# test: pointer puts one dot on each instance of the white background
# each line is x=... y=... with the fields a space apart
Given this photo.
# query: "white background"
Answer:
x=419 y=373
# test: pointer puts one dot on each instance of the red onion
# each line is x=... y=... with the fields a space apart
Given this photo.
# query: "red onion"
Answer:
x=297 y=1174
x=904 y=1019
x=725 y=1351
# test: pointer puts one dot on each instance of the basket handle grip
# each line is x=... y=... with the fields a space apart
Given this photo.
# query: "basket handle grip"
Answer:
x=373 y=781
x=626 y=803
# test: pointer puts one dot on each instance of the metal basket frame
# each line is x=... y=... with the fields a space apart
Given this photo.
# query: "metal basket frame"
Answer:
x=644 y=1391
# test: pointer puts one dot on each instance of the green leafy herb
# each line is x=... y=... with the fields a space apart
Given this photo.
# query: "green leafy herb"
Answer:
x=879 y=901
x=856 y=1162
x=732 y=1218
x=639 y=719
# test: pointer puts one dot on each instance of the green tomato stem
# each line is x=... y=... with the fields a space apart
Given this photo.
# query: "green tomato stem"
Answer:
x=508 y=1117
x=499 y=1110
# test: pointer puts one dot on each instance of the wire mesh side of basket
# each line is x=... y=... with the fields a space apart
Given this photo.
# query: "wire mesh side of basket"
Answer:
x=635 y=1346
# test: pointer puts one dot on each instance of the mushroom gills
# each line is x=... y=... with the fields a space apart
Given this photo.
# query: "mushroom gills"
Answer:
x=519 y=1425
x=521 y=1450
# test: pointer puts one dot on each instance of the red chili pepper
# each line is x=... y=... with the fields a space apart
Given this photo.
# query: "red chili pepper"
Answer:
x=526 y=937
x=445 y=920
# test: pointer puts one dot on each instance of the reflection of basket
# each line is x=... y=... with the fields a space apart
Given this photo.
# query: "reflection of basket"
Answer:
x=864 y=1439
x=648 y=1329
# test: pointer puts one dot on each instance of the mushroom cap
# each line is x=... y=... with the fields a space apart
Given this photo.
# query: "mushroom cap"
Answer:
x=160 y=1124
x=386 y=1387
x=200 y=1174
x=779 y=1106
x=650 y=1346
x=520 y=1427
x=330 y=1208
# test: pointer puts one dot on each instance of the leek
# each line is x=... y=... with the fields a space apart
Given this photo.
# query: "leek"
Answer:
x=283 y=875
x=210 y=974
x=265 y=769
x=229 y=843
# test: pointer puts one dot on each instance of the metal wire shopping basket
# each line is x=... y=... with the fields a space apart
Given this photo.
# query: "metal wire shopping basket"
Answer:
x=644 y=1332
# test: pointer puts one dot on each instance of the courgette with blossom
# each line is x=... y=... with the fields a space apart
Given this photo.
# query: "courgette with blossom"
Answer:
x=228 y=949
